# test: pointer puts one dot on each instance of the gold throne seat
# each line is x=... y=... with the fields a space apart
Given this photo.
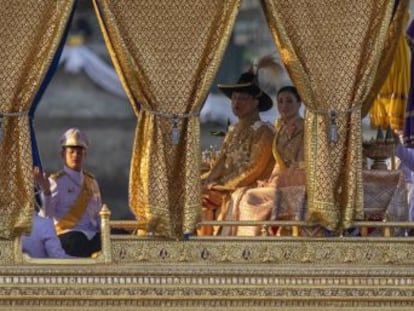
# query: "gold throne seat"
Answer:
x=385 y=195
x=385 y=199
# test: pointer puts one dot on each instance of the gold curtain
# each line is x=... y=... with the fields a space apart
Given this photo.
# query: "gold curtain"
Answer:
x=167 y=53
x=30 y=32
x=396 y=31
x=331 y=49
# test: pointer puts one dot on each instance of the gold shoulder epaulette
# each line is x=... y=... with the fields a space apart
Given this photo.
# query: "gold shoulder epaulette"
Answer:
x=57 y=175
x=89 y=174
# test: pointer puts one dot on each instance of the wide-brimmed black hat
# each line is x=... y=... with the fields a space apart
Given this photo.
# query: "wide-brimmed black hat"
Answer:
x=247 y=83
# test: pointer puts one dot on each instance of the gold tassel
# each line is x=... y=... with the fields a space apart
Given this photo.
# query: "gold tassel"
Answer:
x=333 y=130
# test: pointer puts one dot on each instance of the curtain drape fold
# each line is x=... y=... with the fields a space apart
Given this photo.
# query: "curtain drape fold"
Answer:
x=332 y=50
x=166 y=53
x=30 y=32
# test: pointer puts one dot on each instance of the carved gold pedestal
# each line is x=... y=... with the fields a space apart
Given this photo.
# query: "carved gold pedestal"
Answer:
x=234 y=274
x=258 y=273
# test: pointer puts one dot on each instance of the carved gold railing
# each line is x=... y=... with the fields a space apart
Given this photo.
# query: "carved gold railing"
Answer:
x=386 y=227
x=292 y=229
x=104 y=256
x=265 y=272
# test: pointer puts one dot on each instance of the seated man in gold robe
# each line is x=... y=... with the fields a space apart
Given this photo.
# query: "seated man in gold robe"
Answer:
x=258 y=203
x=246 y=154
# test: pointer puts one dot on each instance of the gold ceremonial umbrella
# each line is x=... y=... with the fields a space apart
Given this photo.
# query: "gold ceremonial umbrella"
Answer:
x=390 y=104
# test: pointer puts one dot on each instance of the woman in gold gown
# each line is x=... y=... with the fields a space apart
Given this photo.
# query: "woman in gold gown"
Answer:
x=259 y=203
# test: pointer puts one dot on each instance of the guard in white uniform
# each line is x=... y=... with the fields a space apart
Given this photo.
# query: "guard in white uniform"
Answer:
x=72 y=197
x=43 y=241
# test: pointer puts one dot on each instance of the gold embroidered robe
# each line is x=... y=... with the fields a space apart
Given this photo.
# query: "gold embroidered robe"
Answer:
x=245 y=157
